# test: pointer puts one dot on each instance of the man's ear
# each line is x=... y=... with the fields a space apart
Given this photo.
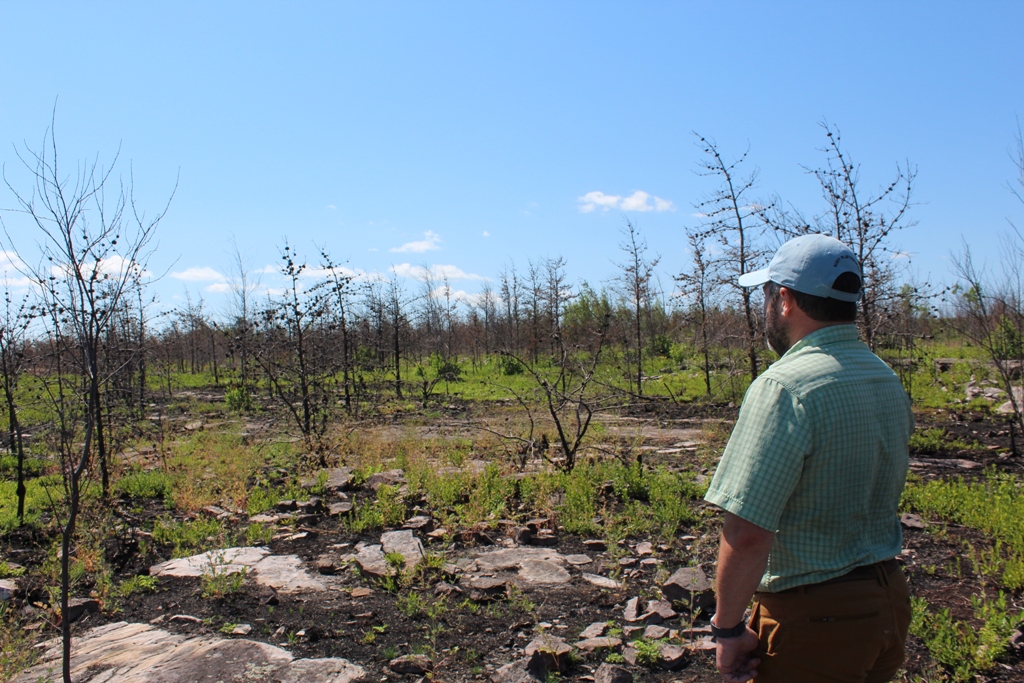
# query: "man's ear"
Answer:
x=788 y=306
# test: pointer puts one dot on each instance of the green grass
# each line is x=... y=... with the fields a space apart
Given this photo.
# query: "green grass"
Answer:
x=190 y=537
x=994 y=506
x=39 y=494
x=965 y=649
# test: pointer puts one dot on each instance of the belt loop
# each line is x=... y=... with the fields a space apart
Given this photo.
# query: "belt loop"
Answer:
x=882 y=575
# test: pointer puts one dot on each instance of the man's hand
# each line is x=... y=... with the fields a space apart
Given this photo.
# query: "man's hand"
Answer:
x=734 y=659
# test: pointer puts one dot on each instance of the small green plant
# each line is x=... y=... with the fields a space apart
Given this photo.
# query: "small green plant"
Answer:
x=137 y=584
x=188 y=538
x=411 y=604
x=648 y=652
x=238 y=399
x=219 y=579
x=9 y=572
x=228 y=627
x=258 y=534
x=389 y=653
x=614 y=658
x=965 y=650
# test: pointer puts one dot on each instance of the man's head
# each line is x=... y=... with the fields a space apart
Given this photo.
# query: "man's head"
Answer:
x=819 y=275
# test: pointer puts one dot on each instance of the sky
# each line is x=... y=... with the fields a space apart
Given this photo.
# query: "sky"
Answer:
x=465 y=137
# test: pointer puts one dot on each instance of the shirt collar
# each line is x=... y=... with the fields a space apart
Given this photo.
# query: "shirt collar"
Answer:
x=826 y=335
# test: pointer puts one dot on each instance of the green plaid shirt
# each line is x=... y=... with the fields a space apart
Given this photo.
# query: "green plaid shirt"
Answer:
x=819 y=456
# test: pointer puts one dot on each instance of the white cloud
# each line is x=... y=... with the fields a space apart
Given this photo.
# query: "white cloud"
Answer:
x=486 y=234
x=199 y=274
x=638 y=201
x=436 y=271
x=10 y=270
x=592 y=200
x=430 y=242
x=331 y=206
x=219 y=288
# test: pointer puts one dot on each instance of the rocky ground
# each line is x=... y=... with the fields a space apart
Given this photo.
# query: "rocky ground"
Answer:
x=509 y=602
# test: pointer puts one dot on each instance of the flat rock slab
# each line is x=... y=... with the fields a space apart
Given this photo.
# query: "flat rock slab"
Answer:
x=535 y=566
x=405 y=543
x=542 y=573
x=283 y=573
x=371 y=561
x=227 y=561
x=140 y=653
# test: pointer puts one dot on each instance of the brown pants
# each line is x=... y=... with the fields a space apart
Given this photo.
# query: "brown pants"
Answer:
x=850 y=631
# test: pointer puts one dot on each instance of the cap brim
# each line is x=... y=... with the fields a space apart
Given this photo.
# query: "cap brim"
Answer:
x=755 y=279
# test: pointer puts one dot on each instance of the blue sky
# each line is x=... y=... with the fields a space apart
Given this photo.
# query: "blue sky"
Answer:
x=463 y=136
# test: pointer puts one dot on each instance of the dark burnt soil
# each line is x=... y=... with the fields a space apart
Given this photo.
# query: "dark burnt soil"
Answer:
x=468 y=640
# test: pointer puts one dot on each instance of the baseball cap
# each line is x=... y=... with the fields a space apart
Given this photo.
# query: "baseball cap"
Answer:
x=809 y=264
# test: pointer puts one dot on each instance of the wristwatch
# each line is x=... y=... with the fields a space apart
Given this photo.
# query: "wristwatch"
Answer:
x=734 y=632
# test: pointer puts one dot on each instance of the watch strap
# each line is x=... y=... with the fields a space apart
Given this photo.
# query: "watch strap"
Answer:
x=734 y=632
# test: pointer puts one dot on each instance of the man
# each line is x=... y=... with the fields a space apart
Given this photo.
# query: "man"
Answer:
x=810 y=482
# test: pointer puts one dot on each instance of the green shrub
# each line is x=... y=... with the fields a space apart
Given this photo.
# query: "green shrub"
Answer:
x=140 y=483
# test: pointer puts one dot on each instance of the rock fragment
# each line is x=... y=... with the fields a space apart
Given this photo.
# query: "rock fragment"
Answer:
x=554 y=650
x=532 y=669
x=610 y=673
x=591 y=644
x=602 y=581
x=411 y=664
x=690 y=586
x=405 y=543
x=595 y=630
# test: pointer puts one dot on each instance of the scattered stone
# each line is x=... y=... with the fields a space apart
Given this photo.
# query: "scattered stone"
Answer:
x=338 y=479
x=389 y=478
x=214 y=511
x=7 y=589
x=648 y=562
x=577 y=560
x=241 y=630
x=361 y=592
x=691 y=587
x=660 y=608
x=644 y=548
x=959 y=463
x=629 y=654
x=127 y=653
x=268 y=596
x=602 y=581
x=264 y=518
x=591 y=644
x=186 y=617
x=79 y=606
x=405 y=543
x=195 y=426
x=421 y=523
x=287 y=505
x=704 y=644
x=654 y=632
x=522 y=535
x=672 y=656
x=543 y=573
x=228 y=561
x=538 y=523
x=911 y=521
x=439 y=532
x=544 y=537
x=336 y=509
x=487 y=588
x=370 y=559
x=411 y=664
x=595 y=630
x=285 y=574
x=632 y=611
x=628 y=631
x=554 y=649
x=313 y=506
x=444 y=588
x=532 y=669
x=595 y=544
x=609 y=673
x=627 y=562
x=327 y=564
x=1017 y=640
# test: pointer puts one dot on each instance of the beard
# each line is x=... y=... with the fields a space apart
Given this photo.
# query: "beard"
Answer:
x=775 y=332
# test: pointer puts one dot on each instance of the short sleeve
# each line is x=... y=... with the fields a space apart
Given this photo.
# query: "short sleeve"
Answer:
x=763 y=460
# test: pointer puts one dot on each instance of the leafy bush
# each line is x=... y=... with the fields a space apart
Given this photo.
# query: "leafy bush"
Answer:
x=509 y=365
x=238 y=399
x=140 y=483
